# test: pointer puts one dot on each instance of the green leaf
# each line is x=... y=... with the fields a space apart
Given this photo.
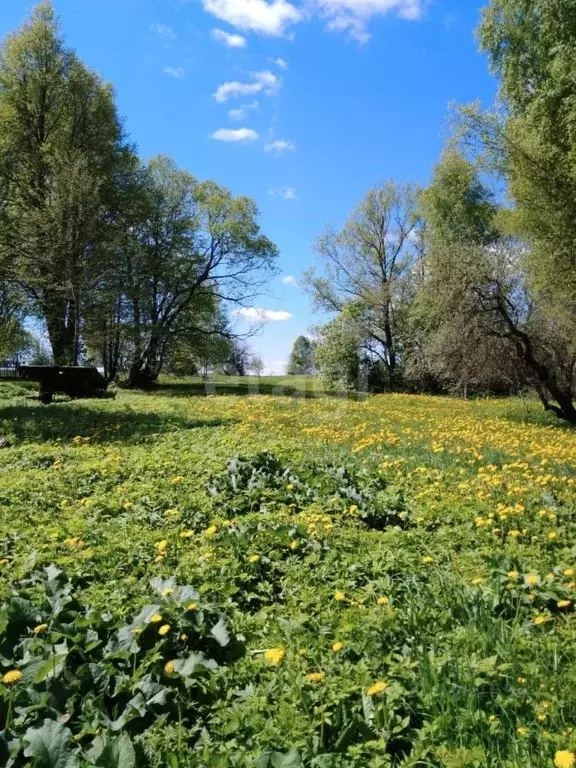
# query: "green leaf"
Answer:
x=220 y=633
x=51 y=668
x=118 y=753
x=50 y=746
x=290 y=760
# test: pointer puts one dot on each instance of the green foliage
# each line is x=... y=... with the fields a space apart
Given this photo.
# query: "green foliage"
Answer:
x=338 y=355
x=301 y=361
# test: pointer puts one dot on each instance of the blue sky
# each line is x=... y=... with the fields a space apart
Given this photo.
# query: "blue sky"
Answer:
x=301 y=104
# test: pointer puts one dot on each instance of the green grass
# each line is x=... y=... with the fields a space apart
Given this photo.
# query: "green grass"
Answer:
x=407 y=560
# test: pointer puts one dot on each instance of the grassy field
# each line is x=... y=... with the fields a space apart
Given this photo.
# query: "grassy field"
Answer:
x=238 y=580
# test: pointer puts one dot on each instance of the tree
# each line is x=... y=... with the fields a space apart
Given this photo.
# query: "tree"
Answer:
x=61 y=152
x=196 y=239
x=339 y=354
x=367 y=264
x=256 y=366
x=301 y=361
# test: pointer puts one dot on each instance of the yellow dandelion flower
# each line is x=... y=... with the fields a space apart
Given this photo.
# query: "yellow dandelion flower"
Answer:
x=383 y=600
x=161 y=545
x=563 y=603
x=12 y=676
x=155 y=619
x=552 y=535
x=521 y=680
x=167 y=592
x=569 y=572
x=128 y=505
x=521 y=731
x=427 y=559
x=253 y=558
x=492 y=718
x=541 y=619
x=339 y=596
x=159 y=558
x=316 y=677
x=337 y=647
x=477 y=581
x=186 y=534
x=184 y=636
x=211 y=531
x=532 y=579
x=169 y=667
x=192 y=607
x=513 y=575
x=514 y=534
x=564 y=759
x=302 y=652
x=177 y=480
x=376 y=688
x=40 y=628
x=274 y=656
x=293 y=545
x=164 y=629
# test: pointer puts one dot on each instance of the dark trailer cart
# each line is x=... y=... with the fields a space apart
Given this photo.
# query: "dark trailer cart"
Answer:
x=70 y=380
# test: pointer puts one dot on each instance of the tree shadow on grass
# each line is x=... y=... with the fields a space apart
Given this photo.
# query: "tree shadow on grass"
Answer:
x=244 y=389
x=533 y=413
x=66 y=420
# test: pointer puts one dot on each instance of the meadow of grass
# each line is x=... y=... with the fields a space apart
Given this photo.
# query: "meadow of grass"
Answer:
x=239 y=579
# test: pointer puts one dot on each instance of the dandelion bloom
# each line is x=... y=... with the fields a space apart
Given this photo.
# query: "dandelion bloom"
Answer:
x=40 y=628
x=178 y=479
x=169 y=667
x=532 y=579
x=293 y=545
x=164 y=629
x=156 y=619
x=564 y=759
x=274 y=656
x=514 y=534
x=192 y=607
x=477 y=581
x=186 y=534
x=340 y=596
x=161 y=545
x=427 y=559
x=253 y=558
x=316 y=677
x=128 y=505
x=521 y=731
x=541 y=619
x=166 y=592
x=513 y=575
x=563 y=603
x=211 y=531
x=569 y=572
x=552 y=535
x=383 y=600
x=521 y=680
x=337 y=647
x=376 y=688
x=12 y=676
x=302 y=652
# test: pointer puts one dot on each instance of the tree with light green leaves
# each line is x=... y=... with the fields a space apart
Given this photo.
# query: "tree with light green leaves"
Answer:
x=301 y=361
x=62 y=152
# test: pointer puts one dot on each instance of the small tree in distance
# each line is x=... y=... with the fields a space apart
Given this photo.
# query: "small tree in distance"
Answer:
x=301 y=358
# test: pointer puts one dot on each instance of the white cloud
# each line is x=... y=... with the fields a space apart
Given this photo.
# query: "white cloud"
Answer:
x=288 y=193
x=163 y=30
x=353 y=16
x=232 y=41
x=269 y=18
x=282 y=63
x=280 y=145
x=242 y=112
x=263 y=81
x=238 y=134
x=263 y=315
x=174 y=71
x=290 y=280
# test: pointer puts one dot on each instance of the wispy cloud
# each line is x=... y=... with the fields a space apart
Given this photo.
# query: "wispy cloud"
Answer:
x=280 y=145
x=282 y=63
x=288 y=193
x=265 y=81
x=242 y=112
x=290 y=280
x=353 y=17
x=174 y=71
x=268 y=18
x=275 y=17
x=232 y=41
x=263 y=315
x=237 y=134
x=164 y=31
